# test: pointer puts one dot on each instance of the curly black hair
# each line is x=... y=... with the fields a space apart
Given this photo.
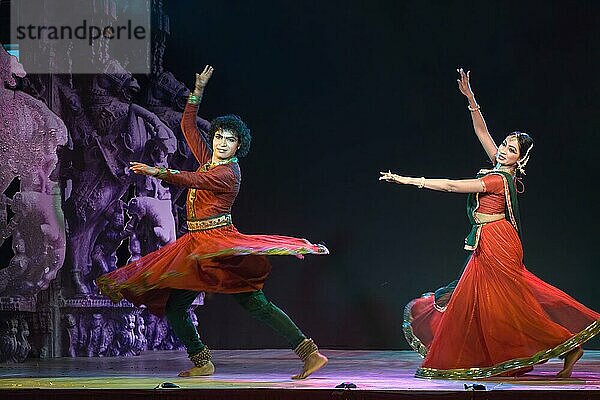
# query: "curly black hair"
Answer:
x=234 y=124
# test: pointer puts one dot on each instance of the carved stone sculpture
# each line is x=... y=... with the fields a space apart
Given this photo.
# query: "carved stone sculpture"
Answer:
x=8 y=339
x=114 y=132
x=155 y=225
x=29 y=136
x=72 y=344
x=96 y=344
x=123 y=343
x=141 y=343
x=104 y=258
x=86 y=176
x=23 y=346
x=156 y=331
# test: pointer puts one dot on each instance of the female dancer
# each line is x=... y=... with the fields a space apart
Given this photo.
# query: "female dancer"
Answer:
x=498 y=318
x=213 y=256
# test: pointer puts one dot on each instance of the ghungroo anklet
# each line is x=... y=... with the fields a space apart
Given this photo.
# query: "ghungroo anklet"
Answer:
x=305 y=349
x=202 y=358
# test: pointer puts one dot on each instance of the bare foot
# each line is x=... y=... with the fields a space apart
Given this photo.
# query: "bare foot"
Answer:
x=570 y=360
x=313 y=363
x=205 y=370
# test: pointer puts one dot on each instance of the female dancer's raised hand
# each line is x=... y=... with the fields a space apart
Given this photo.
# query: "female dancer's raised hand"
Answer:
x=479 y=125
x=202 y=79
x=463 y=83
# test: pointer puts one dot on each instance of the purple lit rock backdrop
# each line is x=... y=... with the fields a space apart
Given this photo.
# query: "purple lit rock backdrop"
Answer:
x=79 y=191
x=334 y=92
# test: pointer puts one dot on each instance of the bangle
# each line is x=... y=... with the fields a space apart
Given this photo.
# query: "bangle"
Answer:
x=160 y=172
x=421 y=182
x=473 y=109
x=163 y=172
x=193 y=99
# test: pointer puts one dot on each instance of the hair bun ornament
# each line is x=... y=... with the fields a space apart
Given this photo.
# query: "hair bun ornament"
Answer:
x=521 y=169
x=523 y=161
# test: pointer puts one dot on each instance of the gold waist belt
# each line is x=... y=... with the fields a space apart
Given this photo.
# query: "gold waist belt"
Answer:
x=209 y=223
x=481 y=218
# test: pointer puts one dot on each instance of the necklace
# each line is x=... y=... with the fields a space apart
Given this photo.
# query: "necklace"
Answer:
x=210 y=165
x=505 y=169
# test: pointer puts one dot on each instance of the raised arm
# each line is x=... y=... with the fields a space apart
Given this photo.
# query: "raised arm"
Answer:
x=188 y=120
x=440 y=185
x=479 y=125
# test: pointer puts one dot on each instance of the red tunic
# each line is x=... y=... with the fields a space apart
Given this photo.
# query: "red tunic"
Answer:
x=212 y=192
x=500 y=319
x=492 y=200
x=214 y=260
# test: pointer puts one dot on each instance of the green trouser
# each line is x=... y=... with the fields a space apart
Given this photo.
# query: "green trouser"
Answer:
x=254 y=302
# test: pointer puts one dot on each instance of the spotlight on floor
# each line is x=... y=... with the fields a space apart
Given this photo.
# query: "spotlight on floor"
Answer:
x=346 y=385
x=167 y=385
x=475 y=386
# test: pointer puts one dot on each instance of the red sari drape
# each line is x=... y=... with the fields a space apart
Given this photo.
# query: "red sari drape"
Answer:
x=500 y=318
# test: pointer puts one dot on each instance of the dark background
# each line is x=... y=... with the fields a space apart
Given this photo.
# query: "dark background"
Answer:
x=336 y=91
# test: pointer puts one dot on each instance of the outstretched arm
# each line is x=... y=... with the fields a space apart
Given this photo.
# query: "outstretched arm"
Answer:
x=218 y=180
x=188 y=120
x=441 y=185
x=479 y=125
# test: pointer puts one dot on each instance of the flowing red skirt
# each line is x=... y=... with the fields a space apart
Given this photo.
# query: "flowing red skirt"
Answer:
x=219 y=260
x=500 y=317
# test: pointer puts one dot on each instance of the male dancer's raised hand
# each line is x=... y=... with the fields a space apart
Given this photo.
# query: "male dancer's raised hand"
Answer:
x=202 y=79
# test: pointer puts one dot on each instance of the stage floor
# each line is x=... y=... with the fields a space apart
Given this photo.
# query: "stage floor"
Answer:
x=271 y=369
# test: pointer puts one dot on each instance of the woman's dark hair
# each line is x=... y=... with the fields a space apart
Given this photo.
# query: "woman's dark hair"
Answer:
x=234 y=124
x=525 y=145
x=525 y=142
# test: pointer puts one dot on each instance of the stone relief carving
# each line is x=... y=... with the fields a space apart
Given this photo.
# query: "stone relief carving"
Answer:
x=30 y=134
x=119 y=332
x=66 y=142
x=14 y=344
x=115 y=132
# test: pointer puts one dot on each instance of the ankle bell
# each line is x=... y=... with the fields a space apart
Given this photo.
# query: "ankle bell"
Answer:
x=202 y=358
x=305 y=349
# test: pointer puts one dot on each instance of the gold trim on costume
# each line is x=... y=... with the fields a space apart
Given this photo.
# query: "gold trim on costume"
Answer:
x=210 y=223
x=474 y=246
x=485 y=372
x=513 y=221
x=483 y=184
x=506 y=194
x=410 y=336
x=269 y=251
x=482 y=218
x=190 y=204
